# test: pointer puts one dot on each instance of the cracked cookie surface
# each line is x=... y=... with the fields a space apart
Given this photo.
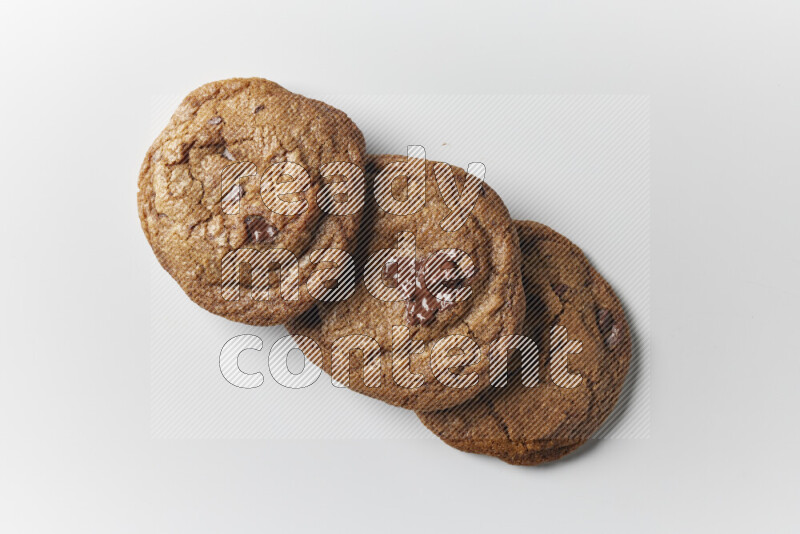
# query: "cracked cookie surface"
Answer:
x=494 y=307
x=243 y=127
x=530 y=425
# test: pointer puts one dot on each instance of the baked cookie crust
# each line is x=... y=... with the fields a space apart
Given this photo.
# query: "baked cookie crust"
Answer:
x=531 y=425
x=495 y=307
x=243 y=126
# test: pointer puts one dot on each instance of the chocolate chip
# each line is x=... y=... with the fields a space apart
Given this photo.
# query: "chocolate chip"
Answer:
x=439 y=275
x=215 y=120
x=258 y=108
x=234 y=194
x=607 y=326
x=604 y=320
x=421 y=304
x=259 y=230
x=560 y=290
x=421 y=310
x=390 y=270
x=612 y=339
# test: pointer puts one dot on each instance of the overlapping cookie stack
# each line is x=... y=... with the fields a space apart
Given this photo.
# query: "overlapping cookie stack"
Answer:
x=264 y=207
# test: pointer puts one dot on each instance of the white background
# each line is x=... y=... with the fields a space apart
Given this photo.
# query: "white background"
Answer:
x=78 y=82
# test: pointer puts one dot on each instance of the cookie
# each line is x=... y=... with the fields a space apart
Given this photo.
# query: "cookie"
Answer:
x=416 y=330
x=584 y=348
x=239 y=182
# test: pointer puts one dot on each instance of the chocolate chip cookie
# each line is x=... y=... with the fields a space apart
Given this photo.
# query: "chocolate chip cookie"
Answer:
x=246 y=181
x=439 y=280
x=553 y=401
